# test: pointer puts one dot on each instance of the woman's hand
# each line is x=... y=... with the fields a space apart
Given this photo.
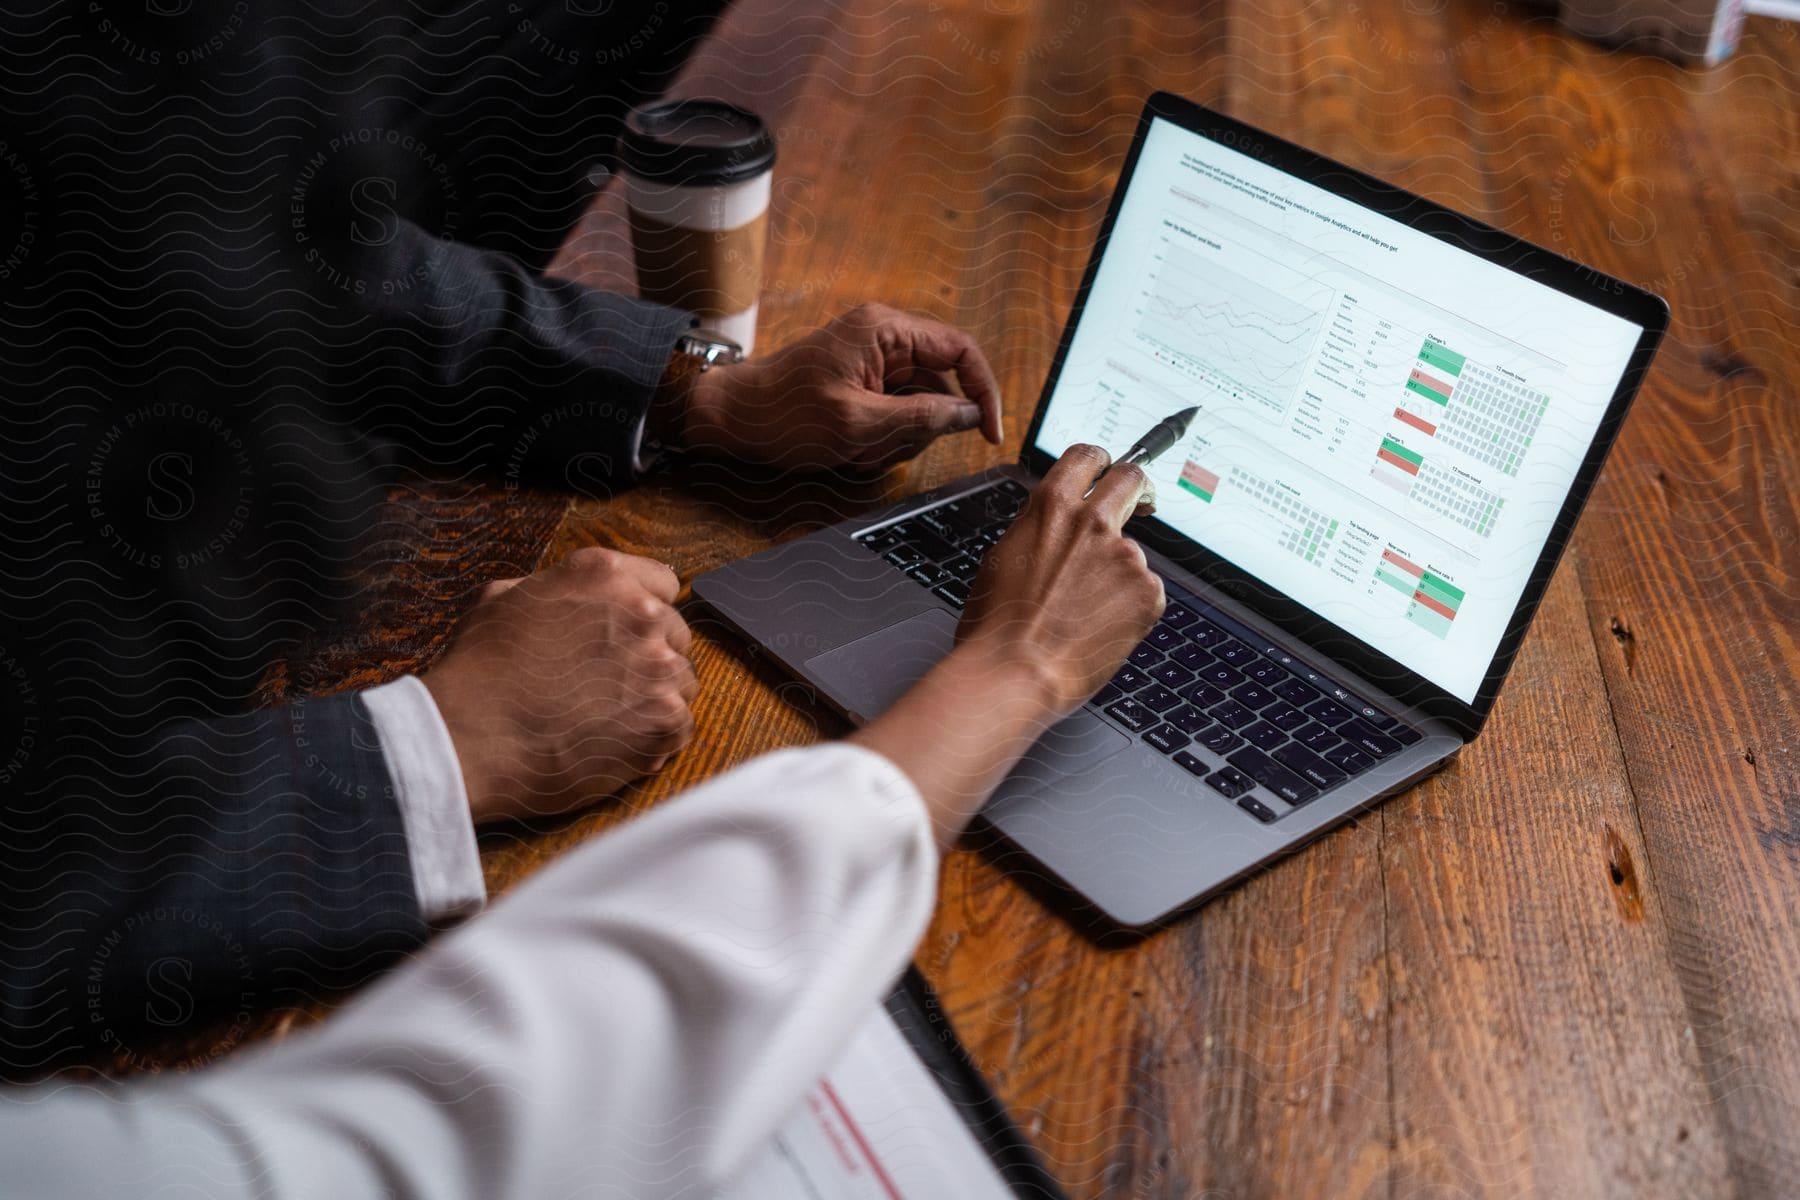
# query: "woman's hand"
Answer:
x=1063 y=590
x=1059 y=603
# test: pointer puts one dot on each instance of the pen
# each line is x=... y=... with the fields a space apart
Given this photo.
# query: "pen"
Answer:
x=1162 y=435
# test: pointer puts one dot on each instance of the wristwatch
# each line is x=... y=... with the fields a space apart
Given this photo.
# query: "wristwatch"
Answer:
x=695 y=351
x=708 y=349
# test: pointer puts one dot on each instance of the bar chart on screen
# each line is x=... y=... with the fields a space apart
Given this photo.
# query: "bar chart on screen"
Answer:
x=1431 y=600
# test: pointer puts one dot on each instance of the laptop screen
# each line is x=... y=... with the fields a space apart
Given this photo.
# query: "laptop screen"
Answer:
x=1388 y=426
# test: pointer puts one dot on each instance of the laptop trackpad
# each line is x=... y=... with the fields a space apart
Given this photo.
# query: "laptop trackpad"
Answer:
x=866 y=676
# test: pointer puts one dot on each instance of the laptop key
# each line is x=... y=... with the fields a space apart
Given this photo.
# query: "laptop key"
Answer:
x=963 y=567
x=1406 y=735
x=1129 y=679
x=955 y=592
x=1232 y=714
x=1328 y=712
x=1187 y=718
x=1264 y=736
x=1229 y=783
x=1203 y=695
x=1145 y=656
x=1166 y=738
x=1256 y=808
x=1265 y=672
x=1348 y=758
x=1294 y=692
x=881 y=541
x=1206 y=634
x=1251 y=696
x=1317 y=738
x=1105 y=696
x=1132 y=715
x=1171 y=675
x=1221 y=674
x=1178 y=615
x=1157 y=698
x=1284 y=717
x=929 y=574
x=1190 y=656
x=1235 y=653
x=1164 y=638
x=1380 y=745
x=1218 y=739
x=1190 y=764
x=1272 y=775
x=1307 y=765
x=903 y=556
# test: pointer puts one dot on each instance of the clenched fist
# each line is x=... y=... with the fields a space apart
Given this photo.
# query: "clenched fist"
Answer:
x=563 y=686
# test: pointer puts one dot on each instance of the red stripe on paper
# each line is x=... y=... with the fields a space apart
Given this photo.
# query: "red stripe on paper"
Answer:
x=881 y=1176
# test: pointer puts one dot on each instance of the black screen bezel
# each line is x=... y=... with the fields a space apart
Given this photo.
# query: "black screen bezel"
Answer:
x=1644 y=309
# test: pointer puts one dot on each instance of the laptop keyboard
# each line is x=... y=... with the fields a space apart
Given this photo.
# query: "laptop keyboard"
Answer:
x=1260 y=727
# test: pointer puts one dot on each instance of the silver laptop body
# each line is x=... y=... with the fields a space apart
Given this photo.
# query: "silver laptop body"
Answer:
x=1255 y=717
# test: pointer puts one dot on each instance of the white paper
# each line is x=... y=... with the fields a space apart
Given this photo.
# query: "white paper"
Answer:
x=876 y=1127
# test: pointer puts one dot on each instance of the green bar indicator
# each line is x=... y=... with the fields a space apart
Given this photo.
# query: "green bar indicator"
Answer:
x=1399 y=451
x=1434 y=623
x=1198 y=480
x=1442 y=590
x=1400 y=583
x=1442 y=358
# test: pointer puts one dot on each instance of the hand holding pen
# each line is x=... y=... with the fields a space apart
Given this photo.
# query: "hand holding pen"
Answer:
x=1147 y=449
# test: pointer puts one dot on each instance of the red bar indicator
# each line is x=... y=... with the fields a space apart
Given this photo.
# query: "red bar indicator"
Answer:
x=1198 y=480
x=1426 y=379
x=1394 y=460
x=1436 y=606
x=1417 y=422
x=1407 y=565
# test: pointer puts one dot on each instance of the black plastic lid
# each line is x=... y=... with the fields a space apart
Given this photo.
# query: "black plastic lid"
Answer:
x=696 y=142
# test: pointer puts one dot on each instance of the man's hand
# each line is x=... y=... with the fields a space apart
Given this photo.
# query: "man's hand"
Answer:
x=565 y=685
x=870 y=389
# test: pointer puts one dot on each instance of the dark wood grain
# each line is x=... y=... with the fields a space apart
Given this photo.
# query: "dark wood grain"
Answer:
x=1567 y=965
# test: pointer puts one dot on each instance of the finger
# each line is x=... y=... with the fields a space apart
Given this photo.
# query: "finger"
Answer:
x=897 y=422
x=923 y=379
x=495 y=588
x=659 y=579
x=1070 y=476
x=1119 y=491
x=919 y=342
x=678 y=633
x=688 y=684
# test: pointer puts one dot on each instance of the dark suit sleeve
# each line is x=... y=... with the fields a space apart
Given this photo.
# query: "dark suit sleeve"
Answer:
x=480 y=362
x=190 y=880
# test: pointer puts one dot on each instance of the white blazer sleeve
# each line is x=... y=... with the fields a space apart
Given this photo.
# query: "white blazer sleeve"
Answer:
x=634 y=1021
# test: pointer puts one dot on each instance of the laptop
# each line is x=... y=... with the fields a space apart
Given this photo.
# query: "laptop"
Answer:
x=1401 y=413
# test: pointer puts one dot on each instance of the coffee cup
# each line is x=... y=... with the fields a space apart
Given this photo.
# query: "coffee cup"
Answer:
x=697 y=175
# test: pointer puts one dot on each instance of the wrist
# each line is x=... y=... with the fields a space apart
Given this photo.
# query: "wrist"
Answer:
x=481 y=777
x=1016 y=689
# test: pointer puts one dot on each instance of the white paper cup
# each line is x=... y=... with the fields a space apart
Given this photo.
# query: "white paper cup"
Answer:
x=697 y=182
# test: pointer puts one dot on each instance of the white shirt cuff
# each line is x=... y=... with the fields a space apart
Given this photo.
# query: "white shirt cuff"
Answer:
x=434 y=805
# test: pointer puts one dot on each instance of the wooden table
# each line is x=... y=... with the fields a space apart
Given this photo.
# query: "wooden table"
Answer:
x=1568 y=965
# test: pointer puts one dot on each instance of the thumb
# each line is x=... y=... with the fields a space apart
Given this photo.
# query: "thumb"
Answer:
x=924 y=415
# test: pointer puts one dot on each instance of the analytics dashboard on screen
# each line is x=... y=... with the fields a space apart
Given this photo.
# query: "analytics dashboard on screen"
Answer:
x=1388 y=424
